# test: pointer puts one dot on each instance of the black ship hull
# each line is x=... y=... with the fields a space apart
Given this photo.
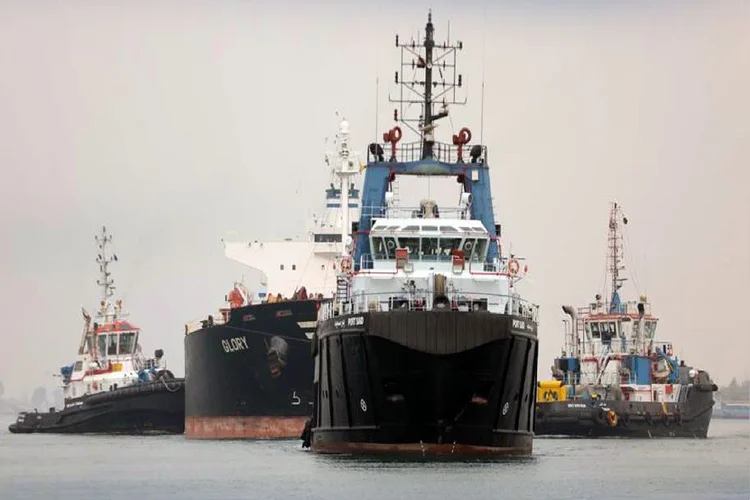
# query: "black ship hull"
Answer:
x=150 y=408
x=424 y=383
x=251 y=377
x=627 y=419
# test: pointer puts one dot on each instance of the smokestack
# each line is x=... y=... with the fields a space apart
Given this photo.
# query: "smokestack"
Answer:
x=570 y=311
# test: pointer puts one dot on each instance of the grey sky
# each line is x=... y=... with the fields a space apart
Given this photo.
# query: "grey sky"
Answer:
x=175 y=122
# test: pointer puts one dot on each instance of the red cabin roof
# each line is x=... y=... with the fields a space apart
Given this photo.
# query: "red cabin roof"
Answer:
x=117 y=326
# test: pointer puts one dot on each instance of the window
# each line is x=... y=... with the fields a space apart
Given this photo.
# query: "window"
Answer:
x=281 y=267
x=294 y=267
x=112 y=345
x=327 y=238
x=127 y=343
x=480 y=250
x=595 y=330
x=101 y=346
x=322 y=267
x=429 y=248
x=390 y=247
x=411 y=244
x=449 y=244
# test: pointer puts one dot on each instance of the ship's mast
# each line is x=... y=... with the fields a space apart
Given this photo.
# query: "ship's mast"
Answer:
x=615 y=253
x=344 y=165
x=433 y=87
x=105 y=281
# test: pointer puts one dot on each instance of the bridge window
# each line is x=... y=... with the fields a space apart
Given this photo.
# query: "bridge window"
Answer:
x=281 y=267
x=480 y=250
x=411 y=244
x=595 y=330
x=127 y=343
x=294 y=267
x=101 y=346
x=650 y=329
x=430 y=248
x=112 y=345
x=449 y=244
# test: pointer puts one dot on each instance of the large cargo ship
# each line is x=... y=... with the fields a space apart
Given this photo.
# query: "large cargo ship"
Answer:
x=615 y=377
x=429 y=349
x=249 y=368
x=111 y=387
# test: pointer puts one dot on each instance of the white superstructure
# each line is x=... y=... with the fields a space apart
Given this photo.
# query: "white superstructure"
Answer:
x=287 y=266
x=109 y=354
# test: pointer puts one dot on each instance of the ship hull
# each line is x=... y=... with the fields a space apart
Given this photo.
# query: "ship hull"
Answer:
x=151 y=408
x=631 y=419
x=424 y=383
x=251 y=378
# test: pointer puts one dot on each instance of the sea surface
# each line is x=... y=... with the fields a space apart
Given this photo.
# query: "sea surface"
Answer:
x=129 y=468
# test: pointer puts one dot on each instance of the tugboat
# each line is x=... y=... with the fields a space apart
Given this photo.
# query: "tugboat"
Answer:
x=248 y=369
x=615 y=378
x=428 y=348
x=112 y=387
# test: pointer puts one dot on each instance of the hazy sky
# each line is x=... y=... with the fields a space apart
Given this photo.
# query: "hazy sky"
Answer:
x=174 y=123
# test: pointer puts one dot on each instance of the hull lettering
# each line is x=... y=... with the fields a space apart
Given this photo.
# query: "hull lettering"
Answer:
x=234 y=344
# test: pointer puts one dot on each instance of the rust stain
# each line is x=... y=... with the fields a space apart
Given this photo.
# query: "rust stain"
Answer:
x=233 y=427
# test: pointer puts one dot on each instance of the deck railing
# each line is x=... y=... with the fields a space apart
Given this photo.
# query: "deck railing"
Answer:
x=412 y=151
x=419 y=300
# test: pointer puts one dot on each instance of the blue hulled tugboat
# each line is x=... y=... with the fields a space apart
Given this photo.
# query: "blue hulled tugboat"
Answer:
x=615 y=377
x=112 y=387
x=428 y=348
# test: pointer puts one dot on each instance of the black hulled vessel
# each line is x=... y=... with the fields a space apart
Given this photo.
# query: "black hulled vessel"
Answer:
x=429 y=348
x=112 y=387
x=249 y=369
x=614 y=377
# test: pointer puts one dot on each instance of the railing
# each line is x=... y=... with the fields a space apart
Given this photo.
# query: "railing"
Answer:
x=498 y=266
x=424 y=301
x=412 y=151
x=401 y=212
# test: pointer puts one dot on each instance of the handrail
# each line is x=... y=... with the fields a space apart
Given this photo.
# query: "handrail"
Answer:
x=423 y=300
x=412 y=151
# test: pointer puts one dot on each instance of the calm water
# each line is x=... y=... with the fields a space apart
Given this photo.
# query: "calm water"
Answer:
x=128 y=468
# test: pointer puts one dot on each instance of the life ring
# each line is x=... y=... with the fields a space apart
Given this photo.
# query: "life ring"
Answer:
x=346 y=264
x=95 y=386
x=612 y=418
x=513 y=267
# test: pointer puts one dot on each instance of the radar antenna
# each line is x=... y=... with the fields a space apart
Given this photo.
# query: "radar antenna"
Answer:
x=429 y=90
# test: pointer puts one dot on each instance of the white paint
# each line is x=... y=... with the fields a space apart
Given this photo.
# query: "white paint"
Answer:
x=234 y=344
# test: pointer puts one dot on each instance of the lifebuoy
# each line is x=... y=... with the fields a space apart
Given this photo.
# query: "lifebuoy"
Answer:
x=612 y=418
x=95 y=386
x=513 y=267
